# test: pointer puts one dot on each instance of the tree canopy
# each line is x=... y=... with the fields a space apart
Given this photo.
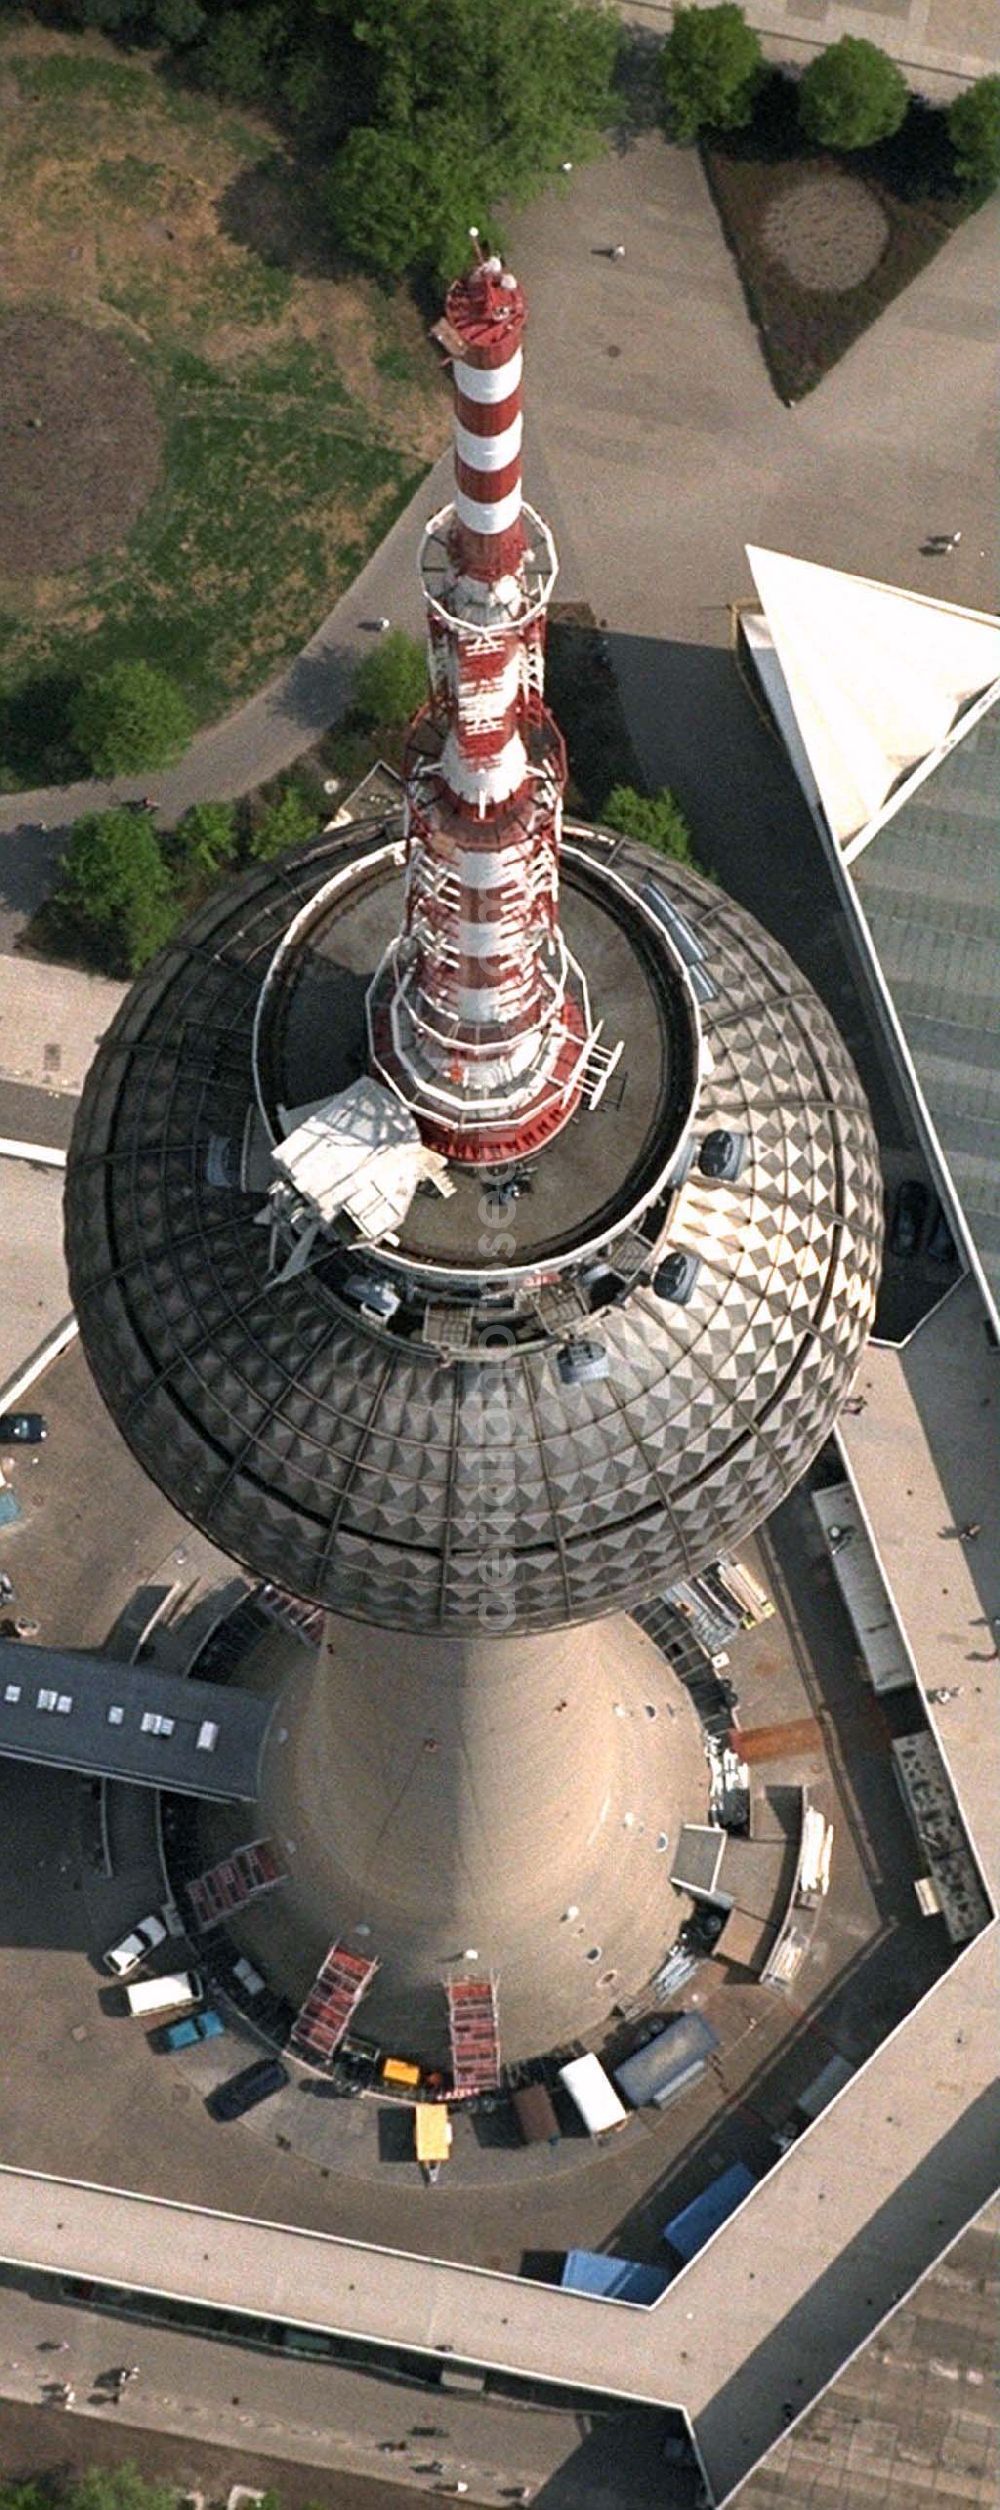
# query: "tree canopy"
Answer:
x=974 y=132
x=469 y=106
x=652 y=818
x=129 y=717
x=116 y=883
x=711 y=66
x=852 y=95
x=391 y=681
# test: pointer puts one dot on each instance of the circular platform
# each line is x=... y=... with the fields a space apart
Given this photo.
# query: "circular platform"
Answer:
x=414 y=1473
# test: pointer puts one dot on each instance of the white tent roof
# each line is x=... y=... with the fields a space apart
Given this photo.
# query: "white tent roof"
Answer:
x=876 y=678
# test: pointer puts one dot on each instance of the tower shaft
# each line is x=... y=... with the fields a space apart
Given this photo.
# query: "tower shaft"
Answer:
x=478 y=1017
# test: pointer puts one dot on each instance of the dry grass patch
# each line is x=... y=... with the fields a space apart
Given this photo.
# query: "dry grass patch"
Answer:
x=291 y=409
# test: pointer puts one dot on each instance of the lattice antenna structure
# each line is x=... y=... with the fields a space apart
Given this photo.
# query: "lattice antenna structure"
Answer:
x=478 y=1017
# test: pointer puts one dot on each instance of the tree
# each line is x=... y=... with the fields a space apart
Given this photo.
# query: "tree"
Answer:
x=852 y=95
x=402 y=200
x=116 y=884
x=652 y=818
x=711 y=67
x=128 y=717
x=179 y=22
x=468 y=105
x=974 y=132
x=235 y=56
x=290 y=821
x=391 y=682
x=206 y=837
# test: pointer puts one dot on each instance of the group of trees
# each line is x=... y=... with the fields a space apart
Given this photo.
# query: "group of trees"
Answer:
x=425 y=113
x=124 y=888
x=850 y=96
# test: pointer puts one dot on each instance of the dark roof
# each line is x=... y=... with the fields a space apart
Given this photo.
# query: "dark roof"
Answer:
x=55 y=1706
x=358 y=1464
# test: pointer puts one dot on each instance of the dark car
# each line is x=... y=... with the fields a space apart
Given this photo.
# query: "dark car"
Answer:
x=908 y=1217
x=22 y=1429
x=244 y=2091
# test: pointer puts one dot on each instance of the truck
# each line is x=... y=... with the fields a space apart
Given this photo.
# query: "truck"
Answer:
x=536 y=2117
x=693 y=2226
x=667 y=2063
x=593 y=2094
x=612 y=2278
x=174 y=1994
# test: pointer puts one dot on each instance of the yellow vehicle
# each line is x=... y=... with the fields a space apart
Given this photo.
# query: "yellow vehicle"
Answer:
x=398 y=2070
x=432 y=2135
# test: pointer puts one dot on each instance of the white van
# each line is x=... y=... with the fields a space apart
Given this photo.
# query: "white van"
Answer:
x=175 y=1994
x=593 y=2094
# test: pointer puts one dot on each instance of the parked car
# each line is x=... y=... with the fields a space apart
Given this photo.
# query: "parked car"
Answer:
x=244 y=2091
x=195 y=2026
x=22 y=1429
x=908 y=1217
x=128 y=1955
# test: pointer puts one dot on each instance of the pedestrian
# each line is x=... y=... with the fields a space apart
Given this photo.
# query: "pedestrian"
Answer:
x=617 y=252
x=856 y=1403
x=6 y=1588
x=969 y=1533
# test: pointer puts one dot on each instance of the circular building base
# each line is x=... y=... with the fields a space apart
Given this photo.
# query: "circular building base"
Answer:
x=504 y=1807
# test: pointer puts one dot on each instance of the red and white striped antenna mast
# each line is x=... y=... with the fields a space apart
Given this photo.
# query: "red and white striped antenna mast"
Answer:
x=479 y=1019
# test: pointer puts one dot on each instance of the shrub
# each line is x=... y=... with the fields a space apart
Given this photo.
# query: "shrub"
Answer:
x=116 y=884
x=391 y=682
x=711 y=67
x=974 y=132
x=128 y=717
x=652 y=818
x=206 y=837
x=290 y=821
x=852 y=95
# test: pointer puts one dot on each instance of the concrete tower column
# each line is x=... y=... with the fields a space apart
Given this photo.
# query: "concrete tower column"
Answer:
x=509 y=1798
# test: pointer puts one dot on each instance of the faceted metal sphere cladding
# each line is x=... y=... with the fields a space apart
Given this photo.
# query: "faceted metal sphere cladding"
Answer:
x=571 y=1381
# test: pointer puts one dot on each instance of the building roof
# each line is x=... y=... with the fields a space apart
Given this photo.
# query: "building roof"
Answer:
x=889 y=704
x=928 y=891
x=78 y=1711
x=879 y=682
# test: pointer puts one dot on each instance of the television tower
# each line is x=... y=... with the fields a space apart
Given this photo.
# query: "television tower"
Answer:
x=471 y=1329
x=479 y=1017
